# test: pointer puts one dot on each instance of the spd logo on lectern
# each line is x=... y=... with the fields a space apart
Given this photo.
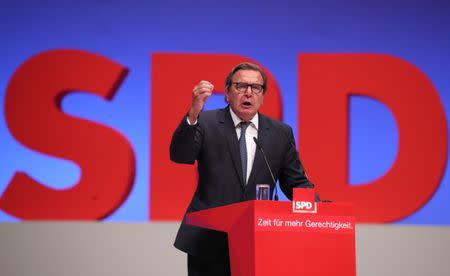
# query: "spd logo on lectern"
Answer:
x=303 y=201
x=304 y=207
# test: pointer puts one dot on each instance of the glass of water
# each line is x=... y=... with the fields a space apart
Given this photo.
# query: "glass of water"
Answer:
x=262 y=191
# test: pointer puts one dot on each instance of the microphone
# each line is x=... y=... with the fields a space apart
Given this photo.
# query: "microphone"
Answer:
x=268 y=166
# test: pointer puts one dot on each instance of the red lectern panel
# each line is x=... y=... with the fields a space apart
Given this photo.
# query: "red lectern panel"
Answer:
x=268 y=238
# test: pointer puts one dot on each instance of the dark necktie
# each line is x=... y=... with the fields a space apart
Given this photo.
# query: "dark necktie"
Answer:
x=243 y=150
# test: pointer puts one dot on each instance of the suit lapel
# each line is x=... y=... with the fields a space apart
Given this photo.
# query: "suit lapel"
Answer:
x=229 y=132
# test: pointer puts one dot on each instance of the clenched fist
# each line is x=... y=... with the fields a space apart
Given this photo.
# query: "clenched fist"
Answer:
x=200 y=94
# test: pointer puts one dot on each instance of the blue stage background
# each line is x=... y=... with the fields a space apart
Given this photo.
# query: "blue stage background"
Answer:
x=270 y=32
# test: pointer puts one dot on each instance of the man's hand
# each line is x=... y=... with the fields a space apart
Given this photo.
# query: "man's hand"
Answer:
x=200 y=94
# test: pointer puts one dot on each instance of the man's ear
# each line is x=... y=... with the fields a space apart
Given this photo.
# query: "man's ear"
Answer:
x=226 y=96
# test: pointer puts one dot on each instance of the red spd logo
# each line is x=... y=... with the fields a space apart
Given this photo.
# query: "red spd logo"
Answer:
x=304 y=207
x=303 y=201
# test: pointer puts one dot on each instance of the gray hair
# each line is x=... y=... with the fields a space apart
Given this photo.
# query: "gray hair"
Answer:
x=246 y=66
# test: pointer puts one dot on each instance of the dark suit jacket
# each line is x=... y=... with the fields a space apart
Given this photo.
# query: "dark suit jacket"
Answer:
x=214 y=144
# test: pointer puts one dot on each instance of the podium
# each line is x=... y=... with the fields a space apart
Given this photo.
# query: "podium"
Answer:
x=268 y=238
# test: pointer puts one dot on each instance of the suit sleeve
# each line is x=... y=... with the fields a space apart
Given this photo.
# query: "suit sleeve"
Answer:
x=186 y=142
x=292 y=174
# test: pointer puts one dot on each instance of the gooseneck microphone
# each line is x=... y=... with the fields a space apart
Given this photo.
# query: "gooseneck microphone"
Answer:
x=268 y=166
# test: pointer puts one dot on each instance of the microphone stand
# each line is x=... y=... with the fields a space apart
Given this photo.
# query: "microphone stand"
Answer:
x=275 y=196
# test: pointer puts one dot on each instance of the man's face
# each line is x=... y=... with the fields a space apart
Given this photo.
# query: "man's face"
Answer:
x=245 y=103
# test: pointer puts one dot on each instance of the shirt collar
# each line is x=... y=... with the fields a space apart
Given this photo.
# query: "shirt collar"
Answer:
x=236 y=121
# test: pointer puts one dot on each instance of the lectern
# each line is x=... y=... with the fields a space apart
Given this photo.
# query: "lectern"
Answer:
x=271 y=238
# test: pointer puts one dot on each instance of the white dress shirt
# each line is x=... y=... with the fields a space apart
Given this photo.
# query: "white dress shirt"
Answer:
x=252 y=131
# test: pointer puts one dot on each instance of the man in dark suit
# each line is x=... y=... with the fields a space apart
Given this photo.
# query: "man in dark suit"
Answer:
x=229 y=164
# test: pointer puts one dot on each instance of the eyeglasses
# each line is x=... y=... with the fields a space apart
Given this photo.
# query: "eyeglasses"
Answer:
x=242 y=87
